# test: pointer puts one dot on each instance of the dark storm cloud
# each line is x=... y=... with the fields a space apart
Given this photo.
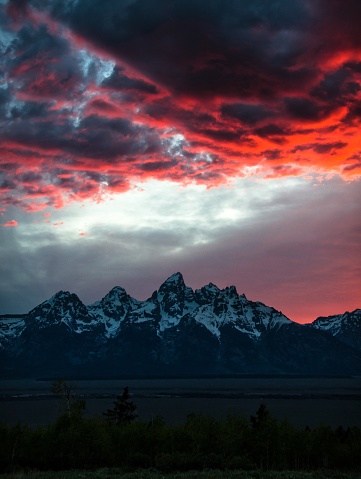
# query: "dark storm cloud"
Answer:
x=247 y=114
x=333 y=87
x=113 y=138
x=4 y=97
x=354 y=66
x=354 y=112
x=272 y=154
x=273 y=132
x=30 y=177
x=167 y=110
x=7 y=184
x=202 y=48
x=195 y=47
x=321 y=147
x=341 y=18
x=227 y=135
x=17 y=8
x=355 y=166
x=94 y=137
x=157 y=165
x=355 y=161
x=304 y=109
x=33 y=42
x=94 y=85
x=119 y=81
x=328 y=147
x=30 y=110
x=42 y=63
x=101 y=106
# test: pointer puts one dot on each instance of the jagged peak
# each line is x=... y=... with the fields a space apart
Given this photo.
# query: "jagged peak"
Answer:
x=336 y=317
x=174 y=281
x=337 y=322
x=61 y=294
x=175 y=278
x=117 y=288
x=64 y=297
x=115 y=298
x=116 y=291
x=212 y=287
x=230 y=290
x=205 y=293
x=208 y=288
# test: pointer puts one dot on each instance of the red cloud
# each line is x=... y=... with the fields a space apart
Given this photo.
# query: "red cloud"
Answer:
x=11 y=223
x=231 y=98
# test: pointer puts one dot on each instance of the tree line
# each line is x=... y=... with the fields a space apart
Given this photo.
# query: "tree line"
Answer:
x=120 y=439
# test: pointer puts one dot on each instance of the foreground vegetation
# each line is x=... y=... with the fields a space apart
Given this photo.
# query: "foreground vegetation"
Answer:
x=234 y=443
x=209 y=474
x=120 y=444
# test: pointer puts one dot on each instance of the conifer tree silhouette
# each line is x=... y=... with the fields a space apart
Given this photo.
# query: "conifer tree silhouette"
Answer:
x=123 y=411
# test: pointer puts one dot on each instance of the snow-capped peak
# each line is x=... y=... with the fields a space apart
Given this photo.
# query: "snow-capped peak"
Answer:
x=116 y=294
x=175 y=300
x=60 y=296
x=211 y=287
x=206 y=293
x=174 y=281
x=171 y=289
x=117 y=290
x=62 y=308
x=113 y=309
x=230 y=291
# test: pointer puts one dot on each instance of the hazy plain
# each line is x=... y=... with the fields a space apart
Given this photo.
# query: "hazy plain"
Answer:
x=303 y=401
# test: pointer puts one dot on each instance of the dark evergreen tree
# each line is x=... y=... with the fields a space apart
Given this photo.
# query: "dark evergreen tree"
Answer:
x=261 y=417
x=123 y=411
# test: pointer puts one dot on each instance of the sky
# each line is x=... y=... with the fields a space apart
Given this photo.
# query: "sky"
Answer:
x=218 y=138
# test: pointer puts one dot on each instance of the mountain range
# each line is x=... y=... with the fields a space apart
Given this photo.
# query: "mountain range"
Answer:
x=177 y=331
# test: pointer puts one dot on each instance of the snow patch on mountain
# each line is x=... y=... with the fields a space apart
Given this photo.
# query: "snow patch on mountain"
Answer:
x=346 y=327
x=146 y=311
x=262 y=318
x=11 y=326
x=206 y=293
x=331 y=324
x=62 y=308
x=338 y=322
x=113 y=309
x=205 y=315
x=174 y=300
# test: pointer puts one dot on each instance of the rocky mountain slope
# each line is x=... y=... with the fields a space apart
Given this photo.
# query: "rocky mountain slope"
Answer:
x=176 y=331
x=345 y=327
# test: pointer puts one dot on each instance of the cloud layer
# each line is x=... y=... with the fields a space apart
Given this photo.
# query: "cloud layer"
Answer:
x=96 y=96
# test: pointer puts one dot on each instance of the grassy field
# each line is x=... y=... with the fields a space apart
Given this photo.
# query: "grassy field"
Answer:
x=151 y=474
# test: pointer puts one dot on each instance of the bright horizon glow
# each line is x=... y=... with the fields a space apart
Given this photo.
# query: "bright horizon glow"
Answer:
x=178 y=228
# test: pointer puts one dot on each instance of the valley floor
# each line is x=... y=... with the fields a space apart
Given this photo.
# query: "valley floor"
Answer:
x=210 y=474
x=303 y=401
